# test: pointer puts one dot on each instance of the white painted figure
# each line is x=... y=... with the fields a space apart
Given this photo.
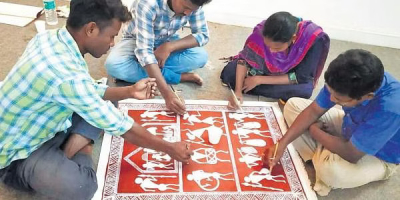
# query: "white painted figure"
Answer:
x=156 y=155
x=253 y=142
x=153 y=130
x=192 y=119
x=169 y=129
x=214 y=134
x=256 y=177
x=244 y=129
x=146 y=150
x=167 y=133
x=249 y=150
x=153 y=115
x=207 y=156
x=151 y=165
x=241 y=116
x=199 y=175
x=212 y=120
x=249 y=158
x=248 y=125
x=244 y=132
x=149 y=185
x=196 y=134
x=161 y=157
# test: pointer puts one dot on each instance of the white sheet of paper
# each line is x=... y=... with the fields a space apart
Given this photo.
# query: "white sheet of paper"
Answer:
x=16 y=14
x=13 y=20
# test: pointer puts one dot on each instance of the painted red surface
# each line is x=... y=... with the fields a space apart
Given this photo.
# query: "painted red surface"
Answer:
x=128 y=174
x=131 y=160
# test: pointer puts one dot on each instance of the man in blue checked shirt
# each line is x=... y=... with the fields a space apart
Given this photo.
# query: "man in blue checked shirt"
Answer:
x=151 y=47
x=51 y=109
x=353 y=145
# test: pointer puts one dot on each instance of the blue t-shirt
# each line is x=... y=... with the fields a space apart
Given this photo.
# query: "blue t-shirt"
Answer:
x=373 y=126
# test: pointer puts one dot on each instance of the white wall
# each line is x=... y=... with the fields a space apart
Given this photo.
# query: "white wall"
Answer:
x=375 y=22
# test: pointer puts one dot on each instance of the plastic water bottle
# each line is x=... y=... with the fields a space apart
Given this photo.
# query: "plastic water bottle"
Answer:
x=50 y=12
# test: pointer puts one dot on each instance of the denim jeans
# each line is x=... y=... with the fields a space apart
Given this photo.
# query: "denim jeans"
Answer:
x=123 y=64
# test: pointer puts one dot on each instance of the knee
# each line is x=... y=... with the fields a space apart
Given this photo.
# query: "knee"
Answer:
x=80 y=184
x=290 y=110
x=85 y=190
x=290 y=103
x=306 y=93
x=110 y=65
x=228 y=74
x=329 y=174
x=123 y=68
x=111 y=61
x=302 y=93
x=201 y=57
x=333 y=173
x=115 y=65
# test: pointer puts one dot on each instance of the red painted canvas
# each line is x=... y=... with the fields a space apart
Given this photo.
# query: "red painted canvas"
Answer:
x=226 y=164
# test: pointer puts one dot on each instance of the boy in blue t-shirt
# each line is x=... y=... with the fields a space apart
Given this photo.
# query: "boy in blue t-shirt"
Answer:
x=357 y=144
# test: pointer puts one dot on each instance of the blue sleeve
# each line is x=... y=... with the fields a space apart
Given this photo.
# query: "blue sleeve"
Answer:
x=375 y=131
x=145 y=13
x=324 y=99
x=198 y=25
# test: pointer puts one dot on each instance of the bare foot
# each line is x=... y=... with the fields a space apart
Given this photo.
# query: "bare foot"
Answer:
x=192 y=77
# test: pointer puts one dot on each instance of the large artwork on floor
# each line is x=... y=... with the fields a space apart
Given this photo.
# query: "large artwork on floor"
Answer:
x=226 y=163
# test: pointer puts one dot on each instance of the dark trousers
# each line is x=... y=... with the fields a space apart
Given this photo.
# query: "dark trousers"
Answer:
x=304 y=90
x=49 y=172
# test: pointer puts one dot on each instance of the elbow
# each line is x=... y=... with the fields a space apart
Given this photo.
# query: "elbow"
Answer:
x=307 y=89
x=205 y=39
x=352 y=159
x=307 y=94
x=302 y=91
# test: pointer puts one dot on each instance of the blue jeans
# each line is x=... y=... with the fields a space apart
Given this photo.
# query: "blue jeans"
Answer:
x=123 y=64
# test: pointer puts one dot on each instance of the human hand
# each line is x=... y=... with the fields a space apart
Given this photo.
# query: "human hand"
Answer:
x=143 y=89
x=175 y=103
x=317 y=125
x=227 y=59
x=233 y=104
x=180 y=151
x=162 y=53
x=250 y=83
x=268 y=155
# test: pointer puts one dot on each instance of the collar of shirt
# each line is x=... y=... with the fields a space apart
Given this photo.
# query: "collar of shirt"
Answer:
x=66 y=38
x=170 y=12
x=376 y=93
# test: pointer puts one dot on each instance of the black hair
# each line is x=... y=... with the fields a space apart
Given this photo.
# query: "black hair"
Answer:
x=200 y=2
x=355 y=73
x=99 y=11
x=280 y=27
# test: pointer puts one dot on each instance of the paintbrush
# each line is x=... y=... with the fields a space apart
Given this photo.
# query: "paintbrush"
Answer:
x=235 y=97
x=173 y=90
x=276 y=148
